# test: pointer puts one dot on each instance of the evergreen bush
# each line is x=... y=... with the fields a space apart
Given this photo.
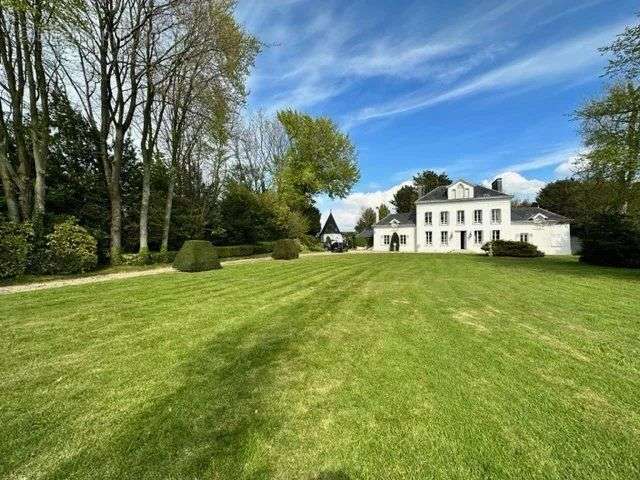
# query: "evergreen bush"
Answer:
x=611 y=240
x=70 y=249
x=196 y=256
x=508 y=248
x=15 y=247
x=285 y=249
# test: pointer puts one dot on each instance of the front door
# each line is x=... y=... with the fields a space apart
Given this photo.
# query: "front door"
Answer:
x=395 y=242
x=463 y=240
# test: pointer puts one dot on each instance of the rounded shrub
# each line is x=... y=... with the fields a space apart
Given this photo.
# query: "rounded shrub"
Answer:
x=15 y=247
x=285 y=249
x=508 y=248
x=196 y=256
x=71 y=249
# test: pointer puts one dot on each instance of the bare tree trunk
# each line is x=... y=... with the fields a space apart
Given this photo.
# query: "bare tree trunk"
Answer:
x=164 y=247
x=6 y=171
x=115 y=198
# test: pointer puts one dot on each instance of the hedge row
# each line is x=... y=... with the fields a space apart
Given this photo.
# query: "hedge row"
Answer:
x=507 y=248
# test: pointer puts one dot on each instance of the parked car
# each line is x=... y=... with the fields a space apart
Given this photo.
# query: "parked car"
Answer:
x=338 y=247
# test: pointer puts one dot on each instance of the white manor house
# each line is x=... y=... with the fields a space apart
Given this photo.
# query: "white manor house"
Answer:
x=462 y=217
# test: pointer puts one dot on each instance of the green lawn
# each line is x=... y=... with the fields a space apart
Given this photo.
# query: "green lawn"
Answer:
x=329 y=367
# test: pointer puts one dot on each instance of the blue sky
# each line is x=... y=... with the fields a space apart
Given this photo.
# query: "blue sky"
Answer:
x=473 y=88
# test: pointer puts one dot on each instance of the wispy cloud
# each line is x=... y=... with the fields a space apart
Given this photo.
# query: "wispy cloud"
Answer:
x=550 y=64
x=316 y=52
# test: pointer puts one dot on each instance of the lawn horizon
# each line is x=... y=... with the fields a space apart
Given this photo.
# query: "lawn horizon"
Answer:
x=329 y=367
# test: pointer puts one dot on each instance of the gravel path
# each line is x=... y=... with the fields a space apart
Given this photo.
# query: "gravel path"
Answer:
x=106 y=277
x=29 y=287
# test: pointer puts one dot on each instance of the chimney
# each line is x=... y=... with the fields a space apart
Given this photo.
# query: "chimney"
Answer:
x=497 y=184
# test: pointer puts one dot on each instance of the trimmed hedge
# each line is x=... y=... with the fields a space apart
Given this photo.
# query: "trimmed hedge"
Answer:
x=15 y=247
x=508 y=248
x=285 y=249
x=196 y=256
x=611 y=240
x=71 y=249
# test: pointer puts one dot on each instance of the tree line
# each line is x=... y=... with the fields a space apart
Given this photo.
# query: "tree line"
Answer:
x=129 y=115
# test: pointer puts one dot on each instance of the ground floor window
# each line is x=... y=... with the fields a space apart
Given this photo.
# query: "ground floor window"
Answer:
x=477 y=236
x=524 y=237
x=386 y=239
x=403 y=239
x=444 y=238
x=495 y=235
x=429 y=238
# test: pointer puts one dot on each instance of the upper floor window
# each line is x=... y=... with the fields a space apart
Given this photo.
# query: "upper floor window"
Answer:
x=524 y=237
x=466 y=193
x=386 y=239
x=428 y=218
x=495 y=235
x=403 y=239
x=460 y=217
x=444 y=218
x=477 y=216
x=429 y=238
x=444 y=238
x=496 y=215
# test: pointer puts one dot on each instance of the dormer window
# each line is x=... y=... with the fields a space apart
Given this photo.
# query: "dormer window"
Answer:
x=394 y=222
x=539 y=217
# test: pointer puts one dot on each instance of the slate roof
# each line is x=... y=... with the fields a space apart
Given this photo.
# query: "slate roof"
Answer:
x=366 y=233
x=439 y=194
x=525 y=214
x=330 y=226
x=402 y=218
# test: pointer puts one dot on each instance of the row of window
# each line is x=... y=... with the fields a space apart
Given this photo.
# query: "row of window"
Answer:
x=387 y=239
x=496 y=217
x=478 y=237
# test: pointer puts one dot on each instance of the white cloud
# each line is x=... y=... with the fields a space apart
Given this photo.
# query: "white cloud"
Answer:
x=517 y=185
x=347 y=210
x=571 y=166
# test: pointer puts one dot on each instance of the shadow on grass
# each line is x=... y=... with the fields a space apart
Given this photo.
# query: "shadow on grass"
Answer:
x=218 y=423
x=561 y=265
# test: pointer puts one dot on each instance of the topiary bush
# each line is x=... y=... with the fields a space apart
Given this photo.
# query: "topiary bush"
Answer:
x=70 y=249
x=196 y=256
x=15 y=247
x=611 y=240
x=508 y=248
x=285 y=249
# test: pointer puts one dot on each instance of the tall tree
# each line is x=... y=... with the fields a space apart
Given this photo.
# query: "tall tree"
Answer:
x=611 y=132
x=610 y=126
x=404 y=200
x=383 y=211
x=366 y=220
x=320 y=159
x=427 y=180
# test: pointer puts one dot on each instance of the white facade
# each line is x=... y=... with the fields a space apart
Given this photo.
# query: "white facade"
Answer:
x=461 y=222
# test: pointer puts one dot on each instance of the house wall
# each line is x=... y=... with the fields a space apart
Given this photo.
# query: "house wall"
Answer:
x=453 y=229
x=550 y=238
x=335 y=237
x=380 y=232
